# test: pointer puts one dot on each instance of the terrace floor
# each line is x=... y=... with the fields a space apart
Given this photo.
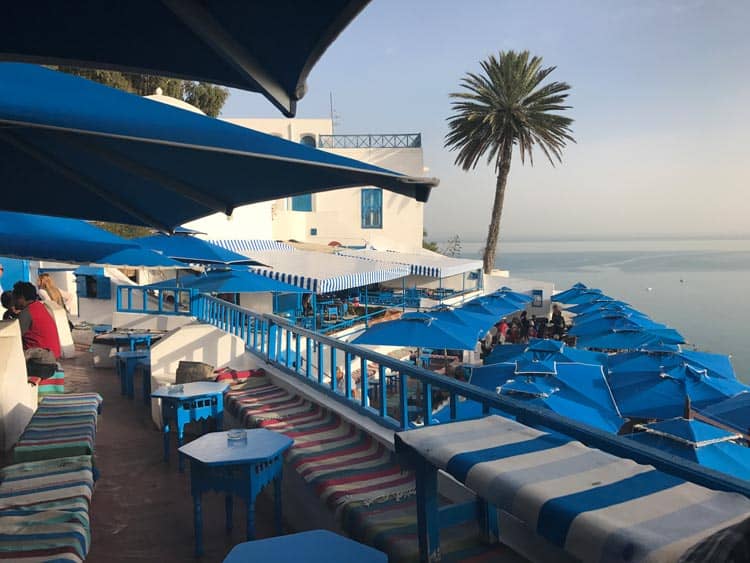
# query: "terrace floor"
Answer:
x=142 y=509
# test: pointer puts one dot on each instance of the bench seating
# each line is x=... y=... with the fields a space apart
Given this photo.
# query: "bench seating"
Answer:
x=593 y=505
x=355 y=476
x=62 y=426
x=44 y=510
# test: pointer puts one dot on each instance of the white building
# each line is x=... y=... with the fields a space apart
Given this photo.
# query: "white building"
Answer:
x=363 y=216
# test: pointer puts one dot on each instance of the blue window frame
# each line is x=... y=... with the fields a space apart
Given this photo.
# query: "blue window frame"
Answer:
x=372 y=208
x=302 y=203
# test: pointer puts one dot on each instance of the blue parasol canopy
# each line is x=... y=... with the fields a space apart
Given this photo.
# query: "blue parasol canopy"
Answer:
x=478 y=324
x=733 y=412
x=614 y=323
x=576 y=289
x=490 y=307
x=629 y=339
x=642 y=391
x=508 y=293
x=121 y=158
x=698 y=442
x=420 y=330
x=191 y=250
x=544 y=350
x=578 y=391
x=582 y=296
x=235 y=280
x=70 y=240
x=664 y=357
x=236 y=44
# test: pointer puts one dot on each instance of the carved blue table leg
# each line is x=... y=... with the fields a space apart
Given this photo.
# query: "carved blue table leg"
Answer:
x=198 y=522
x=165 y=433
x=250 y=518
x=277 y=503
x=180 y=457
x=219 y=422
x=228 y=509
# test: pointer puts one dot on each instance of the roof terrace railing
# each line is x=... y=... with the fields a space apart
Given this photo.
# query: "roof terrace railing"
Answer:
x=398 y=394
x=387 y=141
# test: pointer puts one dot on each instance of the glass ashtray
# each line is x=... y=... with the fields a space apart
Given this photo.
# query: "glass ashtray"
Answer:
x=236 y=437
x=174 y=389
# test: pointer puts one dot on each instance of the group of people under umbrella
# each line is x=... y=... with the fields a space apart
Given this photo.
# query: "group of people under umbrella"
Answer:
x=627 y=375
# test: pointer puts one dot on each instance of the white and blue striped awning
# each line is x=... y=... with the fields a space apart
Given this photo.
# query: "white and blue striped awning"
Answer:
x=320 y=272
x=425 y=263
x=243 y=246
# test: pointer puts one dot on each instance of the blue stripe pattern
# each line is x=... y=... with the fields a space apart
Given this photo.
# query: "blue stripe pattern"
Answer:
x=252 y=245
x=557 y=514
x=460 y=465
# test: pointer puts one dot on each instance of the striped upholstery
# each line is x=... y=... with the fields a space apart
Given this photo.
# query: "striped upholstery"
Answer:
x=54 y=384
x=353 y=474
x=44 y=510
x=62 y=426
x=59 y=484
x=595 y=506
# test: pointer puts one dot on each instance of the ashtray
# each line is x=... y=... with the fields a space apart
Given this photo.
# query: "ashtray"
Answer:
x=174 y=389
x=236 y=436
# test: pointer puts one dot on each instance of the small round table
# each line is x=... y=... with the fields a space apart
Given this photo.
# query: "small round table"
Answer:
x=242 y=468
x=196 y=401
x=306 y=547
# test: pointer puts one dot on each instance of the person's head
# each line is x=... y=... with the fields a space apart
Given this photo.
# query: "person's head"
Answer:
x=46 y=283
x=24 y=293
x=2 y=270
x=523 y=314
x=7 y=300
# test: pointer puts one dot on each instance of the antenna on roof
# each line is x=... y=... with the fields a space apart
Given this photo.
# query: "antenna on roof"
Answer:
x=334 y=116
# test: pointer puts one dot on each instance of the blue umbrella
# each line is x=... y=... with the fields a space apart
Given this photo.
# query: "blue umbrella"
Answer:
x=544 y=350
x=70 y=240
x=505 y=353
x=191 y=250
x=641 y=391
x=508 y=293
x=236 y=44
x=663 y=357
x=584 y=296
x=574 y=291
x=733 y=412
x=630 y=339
x=578 y=391
x=420 y=330
x=613 y=323
x=229 y=281
x=602 y=302
x=478 y=324
x=607 y=311
x=490 y=307
x=699 y=442
x=121 y=158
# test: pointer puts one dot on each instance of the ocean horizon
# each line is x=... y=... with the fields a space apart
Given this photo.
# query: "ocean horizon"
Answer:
x=697 y=285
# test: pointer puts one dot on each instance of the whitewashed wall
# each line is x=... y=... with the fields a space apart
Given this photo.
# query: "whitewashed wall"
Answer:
x=18 y=399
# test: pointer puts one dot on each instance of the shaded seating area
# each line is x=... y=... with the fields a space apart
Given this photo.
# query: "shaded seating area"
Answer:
x=353 y=474
x=586 y=503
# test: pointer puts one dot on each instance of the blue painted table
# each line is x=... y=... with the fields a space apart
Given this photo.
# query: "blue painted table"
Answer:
x=201 y=400
x=242 y=468
x=129 y=338
x=126 y=363
x=306 y=547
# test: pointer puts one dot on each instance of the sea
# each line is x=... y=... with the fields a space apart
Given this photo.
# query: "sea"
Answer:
x=698 y=286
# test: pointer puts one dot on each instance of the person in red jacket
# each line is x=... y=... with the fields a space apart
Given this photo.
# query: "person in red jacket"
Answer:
x=38 y=328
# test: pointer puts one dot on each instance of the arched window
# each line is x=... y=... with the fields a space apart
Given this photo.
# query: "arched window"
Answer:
x=308 y=139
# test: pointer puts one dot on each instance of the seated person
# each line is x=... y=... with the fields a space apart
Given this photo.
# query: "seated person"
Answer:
x=38 y=328
x=9 y=305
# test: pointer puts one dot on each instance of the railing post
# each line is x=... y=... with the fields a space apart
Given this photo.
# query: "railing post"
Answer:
x=272 y=342
x=454 y=406
x=320 y=364
x=427 y=403
x=297 y=352
x=403 y=399
x=334 y=383
x=308 y=357
x=348 y=375
x=383 y=407
x=288 y=351
x=364 y=390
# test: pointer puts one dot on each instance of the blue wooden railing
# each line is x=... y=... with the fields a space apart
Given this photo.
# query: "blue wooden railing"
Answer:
x=164 y=301
x=406 y=393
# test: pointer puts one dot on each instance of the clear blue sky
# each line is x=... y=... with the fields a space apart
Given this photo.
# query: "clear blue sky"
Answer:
x=660 y=95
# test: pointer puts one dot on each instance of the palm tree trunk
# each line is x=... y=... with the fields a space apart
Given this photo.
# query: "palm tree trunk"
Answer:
x=497 y=209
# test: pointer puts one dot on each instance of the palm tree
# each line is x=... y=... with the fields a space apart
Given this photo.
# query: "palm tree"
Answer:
x=503 y=106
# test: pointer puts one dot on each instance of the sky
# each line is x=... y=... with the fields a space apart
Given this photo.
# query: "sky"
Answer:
x=660 y=96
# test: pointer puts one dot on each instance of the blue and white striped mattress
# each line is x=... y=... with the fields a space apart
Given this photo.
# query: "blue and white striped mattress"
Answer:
x=595 y=506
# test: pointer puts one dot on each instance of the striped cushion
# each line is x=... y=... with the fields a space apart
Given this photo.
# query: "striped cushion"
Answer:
x=52 y=385
x=595 y=506
x=72 y=400
x=353 y=474
x=60 y=484
x=64 y=438
x=49 y=535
